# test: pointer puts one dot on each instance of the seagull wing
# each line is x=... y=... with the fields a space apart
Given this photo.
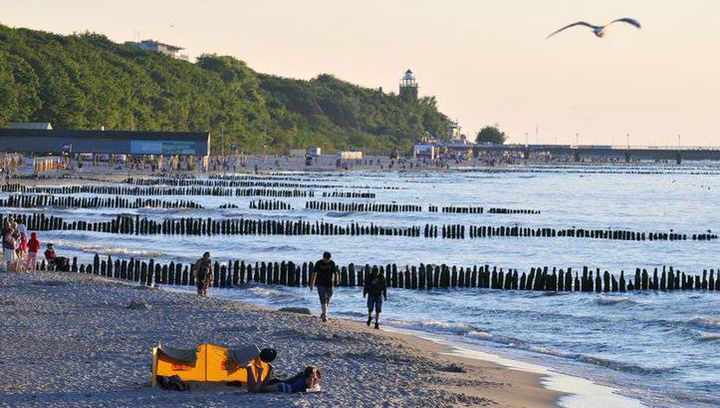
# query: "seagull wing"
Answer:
x=630 y=21
x=579 y=23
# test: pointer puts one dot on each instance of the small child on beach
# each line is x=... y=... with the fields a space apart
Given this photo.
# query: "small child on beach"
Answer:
x=375 y=289
x=33 y=247
x=22 y=247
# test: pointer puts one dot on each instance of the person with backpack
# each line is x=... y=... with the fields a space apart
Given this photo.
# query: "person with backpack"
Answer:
x=323 y=276
x=202 y=270
x=375 y=289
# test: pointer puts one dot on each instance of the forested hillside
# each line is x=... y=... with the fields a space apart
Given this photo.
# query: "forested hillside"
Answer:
x=86 y=81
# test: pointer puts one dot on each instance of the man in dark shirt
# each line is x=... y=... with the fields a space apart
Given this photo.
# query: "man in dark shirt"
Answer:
x=375 y=289
x=323 y=276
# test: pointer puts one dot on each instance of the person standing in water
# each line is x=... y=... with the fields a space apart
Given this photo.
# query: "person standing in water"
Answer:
x=375 y=289
x=202 y=269
x=323 y=276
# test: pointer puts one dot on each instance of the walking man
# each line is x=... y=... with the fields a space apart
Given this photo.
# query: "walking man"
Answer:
x=202 y=269
x=375 y=289
x=323 y=276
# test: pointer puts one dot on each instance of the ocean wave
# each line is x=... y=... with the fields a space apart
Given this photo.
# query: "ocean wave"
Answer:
x=705 y=321
x=618 y=365
x=268 y=292
x=438 y=327
x=707 y=337
x=613 y=300
x=340 y=214
x=279 y=248
x=110 y=250
x=494 y=338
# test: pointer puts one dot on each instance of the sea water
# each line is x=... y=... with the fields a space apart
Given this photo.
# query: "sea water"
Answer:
x=661 y=348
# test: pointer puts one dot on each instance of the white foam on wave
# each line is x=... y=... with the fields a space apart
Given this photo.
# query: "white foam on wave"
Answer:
x=705 y=321
x=437 y=326
x=267 y=292
x=703 y=336
x=102 y=249
x=613 y=300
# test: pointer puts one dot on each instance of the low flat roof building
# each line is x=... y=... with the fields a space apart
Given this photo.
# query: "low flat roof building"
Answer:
x=105 y=141
x=157 y=46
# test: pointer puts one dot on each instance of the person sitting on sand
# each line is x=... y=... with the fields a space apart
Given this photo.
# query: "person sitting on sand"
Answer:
x=307 y=380
x=375 y=289
x=59 y=262
x=33 y=249
x=202 y=269
x=323 y=276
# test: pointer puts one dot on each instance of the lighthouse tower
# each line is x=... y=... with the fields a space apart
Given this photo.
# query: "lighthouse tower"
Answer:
x=408 y=87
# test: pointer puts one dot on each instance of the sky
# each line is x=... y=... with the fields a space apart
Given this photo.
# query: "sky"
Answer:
x=486 y=61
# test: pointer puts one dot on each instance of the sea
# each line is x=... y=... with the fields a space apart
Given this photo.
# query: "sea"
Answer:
x=661 y=349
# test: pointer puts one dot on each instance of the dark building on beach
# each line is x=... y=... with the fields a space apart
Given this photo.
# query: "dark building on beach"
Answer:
x=42 y=141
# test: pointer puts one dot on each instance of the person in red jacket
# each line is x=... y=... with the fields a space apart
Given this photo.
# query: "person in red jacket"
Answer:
x=33 y=247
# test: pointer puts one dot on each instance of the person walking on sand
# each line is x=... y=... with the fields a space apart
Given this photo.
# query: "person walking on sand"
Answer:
x=323 y=276
x=202 y=269
x=375 y=289
x=33 y=249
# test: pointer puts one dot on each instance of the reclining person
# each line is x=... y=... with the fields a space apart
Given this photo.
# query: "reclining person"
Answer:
x=300 y=382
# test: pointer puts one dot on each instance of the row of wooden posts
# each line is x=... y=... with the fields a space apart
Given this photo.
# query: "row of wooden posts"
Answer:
x=135 y=225
x=188 y=182
x=480 y=210
x=154 y=191
x=33 y=201
x=363 y=207
x=295 y=177
x=421 y=277
x=348 y=194
x=269 y=205
x=622 y=235
x=244 y=181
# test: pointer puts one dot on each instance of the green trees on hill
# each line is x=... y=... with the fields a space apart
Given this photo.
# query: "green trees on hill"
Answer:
x=86 y=81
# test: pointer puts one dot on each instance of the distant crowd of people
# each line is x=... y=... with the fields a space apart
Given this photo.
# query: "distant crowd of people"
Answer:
x=21 y=254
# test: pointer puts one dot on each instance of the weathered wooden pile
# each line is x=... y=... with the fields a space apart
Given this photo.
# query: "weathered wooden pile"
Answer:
x=422 y=277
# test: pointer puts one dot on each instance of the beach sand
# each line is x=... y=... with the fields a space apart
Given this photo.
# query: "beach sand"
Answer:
x=71 y=340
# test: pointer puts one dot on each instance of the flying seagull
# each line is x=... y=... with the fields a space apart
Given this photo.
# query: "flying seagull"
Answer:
x=599 y=31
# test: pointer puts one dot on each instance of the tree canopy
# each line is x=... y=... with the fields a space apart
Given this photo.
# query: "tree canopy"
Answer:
x=491 y=134
x=85 y=81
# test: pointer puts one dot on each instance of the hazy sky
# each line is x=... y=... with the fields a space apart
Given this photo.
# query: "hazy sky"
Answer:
x=485 y=61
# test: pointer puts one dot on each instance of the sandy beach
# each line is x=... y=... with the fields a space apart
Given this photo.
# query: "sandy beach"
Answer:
x=71 y=340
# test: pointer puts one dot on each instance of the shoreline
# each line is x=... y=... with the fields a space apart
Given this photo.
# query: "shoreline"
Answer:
x=575 y=391
x=95 y=351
